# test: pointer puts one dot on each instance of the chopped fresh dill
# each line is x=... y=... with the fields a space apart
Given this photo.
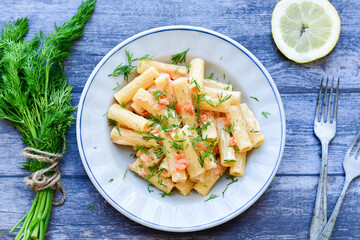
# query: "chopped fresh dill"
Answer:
x=210 y=77
x=254 y=98
x=224 y=76
x=220 y=58
x=233 y=180
x=125 y=174
x=253 y=131
x=142 y=149
x=160 y=182
x=152 y=136
x=230 y=160
x=230 y=128
x=176 y=70
x=122 y=104
x=197 y=86
x=228 y=86
x=205 y=186
x=92 y=206
x=212 y=196
x=224 y=191
x=111 y=180
x=157 y=94
x=95 y=147
x=223 y=99
x=172 y=105
x=179 y=57
x=105 y=113
x=188 y=66
x=133 y=155
x=115 y=124
x=126 y=70
x=148 y=187
x=265 y=114
x=117 y=86
x=165 y=194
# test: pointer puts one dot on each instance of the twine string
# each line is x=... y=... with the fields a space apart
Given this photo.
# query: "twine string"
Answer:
x=38 y=180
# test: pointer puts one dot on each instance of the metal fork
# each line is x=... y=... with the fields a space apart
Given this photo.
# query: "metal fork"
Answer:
x=325 y=130
x=351 y=166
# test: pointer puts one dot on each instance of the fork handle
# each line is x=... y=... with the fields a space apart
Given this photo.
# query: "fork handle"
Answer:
x=326 y=232
x=319 y=218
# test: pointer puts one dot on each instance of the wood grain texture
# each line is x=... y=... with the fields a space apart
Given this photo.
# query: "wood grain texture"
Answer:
x=284 y=211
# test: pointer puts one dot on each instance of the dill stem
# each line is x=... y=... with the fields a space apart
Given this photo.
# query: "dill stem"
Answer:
x=26 y=217
x=47 y=70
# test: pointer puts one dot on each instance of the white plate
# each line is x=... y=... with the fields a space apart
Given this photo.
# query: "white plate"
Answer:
x=104 y=161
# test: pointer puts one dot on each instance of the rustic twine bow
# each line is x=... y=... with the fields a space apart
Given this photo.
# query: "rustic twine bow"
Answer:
x=38 y=181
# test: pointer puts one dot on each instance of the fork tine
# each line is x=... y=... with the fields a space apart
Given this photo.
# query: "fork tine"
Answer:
x=336 y=100
x=318 y=101
x=324 y=101
x=329 y=107
x=353 y=144
x=356 y=149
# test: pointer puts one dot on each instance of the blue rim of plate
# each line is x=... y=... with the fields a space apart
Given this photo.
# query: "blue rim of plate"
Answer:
x=132 y=216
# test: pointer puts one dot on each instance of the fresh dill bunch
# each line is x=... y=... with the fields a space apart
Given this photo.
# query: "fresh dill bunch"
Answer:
x=35 y=98
x=34 y=93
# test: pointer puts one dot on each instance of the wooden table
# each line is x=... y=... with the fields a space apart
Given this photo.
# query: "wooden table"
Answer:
x=285 y=210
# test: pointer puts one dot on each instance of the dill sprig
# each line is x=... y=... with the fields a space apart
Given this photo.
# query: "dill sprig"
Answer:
x=179 y=57
x=126 y=70
x=229 y=128
x=256 y=99
x=265 y=114
x=166 y=194
x=35 y=97
x=212 y=196
x=210 y=76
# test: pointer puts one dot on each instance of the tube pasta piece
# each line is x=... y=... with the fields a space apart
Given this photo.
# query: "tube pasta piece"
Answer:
x=211 y=177
x=200 y=178
x=128 y=137
x=210 y=162
x=216 y=93
x=196 y=75
x=128 y=118
x=147 y=101
x=163 y=184
x=185 y=106
x=139 y=110
x=194 y=168
x=177 y=175
x=253 y=126
x=163 y=82
x=173 y=70
x=240 y=129
x=238 y=169
x=145 y=80
x=213 y=104
x=219 y=85
x=210 y=131
x=165 y=165
x=227 y=153
x=165 y=173
x=184 y=188
x=149 y=159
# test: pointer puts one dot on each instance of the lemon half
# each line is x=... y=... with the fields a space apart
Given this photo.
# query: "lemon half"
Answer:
x=305 y=30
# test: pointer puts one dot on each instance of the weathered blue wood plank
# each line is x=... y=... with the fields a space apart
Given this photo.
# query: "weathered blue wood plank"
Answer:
x=283 y=212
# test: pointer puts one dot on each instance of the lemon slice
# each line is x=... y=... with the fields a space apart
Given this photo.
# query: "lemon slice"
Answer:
x=305 y=30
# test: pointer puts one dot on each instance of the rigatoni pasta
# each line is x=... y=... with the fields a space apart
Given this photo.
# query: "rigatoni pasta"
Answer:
x=187 y=130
